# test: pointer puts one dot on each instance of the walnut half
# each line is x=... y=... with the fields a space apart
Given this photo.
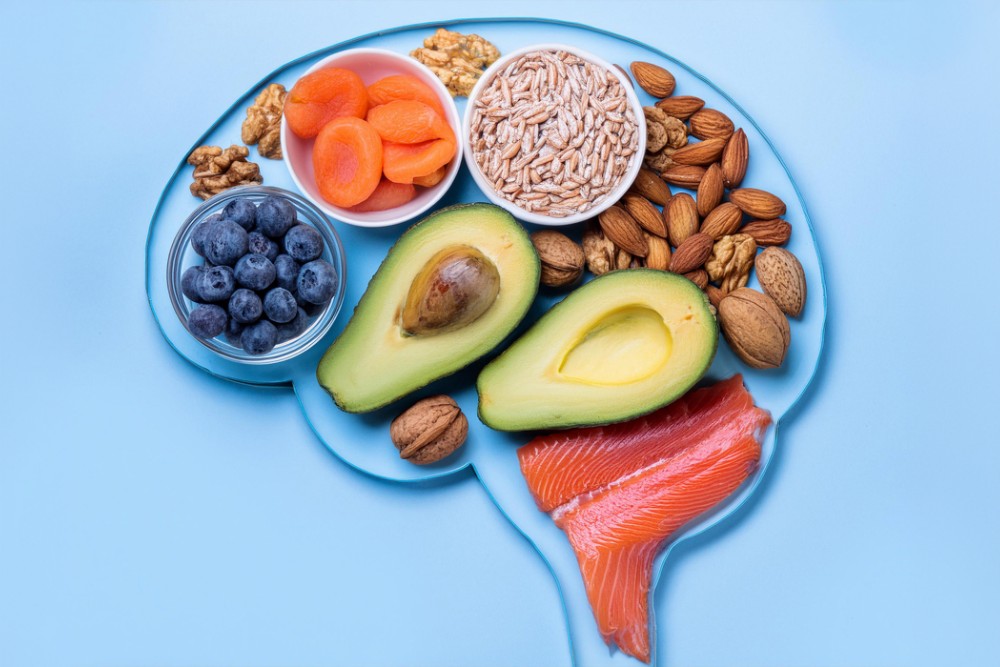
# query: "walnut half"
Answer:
x=263 y=122
x=216 y=170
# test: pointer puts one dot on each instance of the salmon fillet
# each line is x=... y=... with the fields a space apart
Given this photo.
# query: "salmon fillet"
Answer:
x=620 y=492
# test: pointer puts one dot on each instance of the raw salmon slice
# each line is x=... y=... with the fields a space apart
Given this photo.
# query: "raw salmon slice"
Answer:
x=620 y=492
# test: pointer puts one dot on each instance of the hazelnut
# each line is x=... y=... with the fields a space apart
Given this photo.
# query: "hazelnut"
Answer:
x=431 y=429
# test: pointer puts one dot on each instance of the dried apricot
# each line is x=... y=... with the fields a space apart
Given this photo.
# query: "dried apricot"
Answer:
x=404 y=162
x=319 y=97
x=431 y=179
x=387 y=195
x=409 y=122
x=347 y=160
x=404 y=87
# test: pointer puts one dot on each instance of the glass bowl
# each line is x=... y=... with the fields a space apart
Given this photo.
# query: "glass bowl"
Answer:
x=182 y=256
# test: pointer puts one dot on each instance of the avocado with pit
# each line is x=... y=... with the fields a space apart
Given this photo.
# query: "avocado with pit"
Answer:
x=620 y=346
x=450 y=290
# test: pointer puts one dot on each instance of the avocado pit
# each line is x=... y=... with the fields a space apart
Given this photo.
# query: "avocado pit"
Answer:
x=451 y=291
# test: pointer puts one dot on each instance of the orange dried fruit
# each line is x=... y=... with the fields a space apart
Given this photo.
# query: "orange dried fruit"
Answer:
x=402 y=163
x=404 y=87
x=409 y=122
x=347 y=160
x=386 y=195
x=321 y=96
x=431 y=179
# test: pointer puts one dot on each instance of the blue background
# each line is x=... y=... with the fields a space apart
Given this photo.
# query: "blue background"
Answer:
x=153 y=515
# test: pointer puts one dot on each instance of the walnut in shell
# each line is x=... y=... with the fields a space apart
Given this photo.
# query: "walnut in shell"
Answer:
x=431 y=429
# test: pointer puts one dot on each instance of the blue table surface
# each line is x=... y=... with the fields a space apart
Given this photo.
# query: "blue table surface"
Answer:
x=153 y=515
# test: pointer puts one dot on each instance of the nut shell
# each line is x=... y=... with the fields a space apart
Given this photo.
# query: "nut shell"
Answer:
x=431 y=429
x=562 y=258
x=755 y=327
x=782 y=278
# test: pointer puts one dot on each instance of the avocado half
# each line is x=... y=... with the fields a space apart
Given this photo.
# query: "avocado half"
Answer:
x=375 y=361
x=620 y=346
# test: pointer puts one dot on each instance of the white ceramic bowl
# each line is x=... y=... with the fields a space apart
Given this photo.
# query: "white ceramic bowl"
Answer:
x=539 y=218
x=372 y=65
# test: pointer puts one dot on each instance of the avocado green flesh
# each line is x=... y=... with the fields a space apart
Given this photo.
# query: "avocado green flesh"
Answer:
x=620 y=346
x=374 y=362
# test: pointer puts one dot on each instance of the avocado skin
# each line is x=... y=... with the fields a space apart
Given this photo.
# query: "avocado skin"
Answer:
x=592 y=418
x=529 y=267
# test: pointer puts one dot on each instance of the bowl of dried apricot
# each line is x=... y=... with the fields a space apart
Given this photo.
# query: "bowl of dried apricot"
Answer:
x=371 y=137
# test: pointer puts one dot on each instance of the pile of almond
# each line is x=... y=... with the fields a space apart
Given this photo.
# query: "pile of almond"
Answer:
x=712 y=237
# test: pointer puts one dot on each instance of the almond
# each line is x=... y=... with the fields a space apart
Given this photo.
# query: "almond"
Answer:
x=681 y=215
x=645 y=214
x=709 y=123
x=722 y=221
x=684 y=175
x=699 y=277
x=655 y=80
x=562 y=259
x=735 y=157
x=647 y=184
x=691 y=254
x=622 y=229
x=768 y=232
x=681 y=106
x=782 y=278
x=755 y=327
x=715 y=295
x=701 y=153
x=710 y=190
x=658 y=256
x=757 y=203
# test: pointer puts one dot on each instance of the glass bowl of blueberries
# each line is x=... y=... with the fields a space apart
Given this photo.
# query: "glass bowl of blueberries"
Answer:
x=256 y=273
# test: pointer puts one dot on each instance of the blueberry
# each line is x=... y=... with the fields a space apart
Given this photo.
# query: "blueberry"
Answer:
x=262 y=245
x=207 y=321
x=233 y=332
x=189 y=283
x=317 y=281
x=290 y=330
x=200 y=233
x=254 y=271
x=303 y=243
x=275 y=216
x=242 y=212
x=216 y=283
x=280 y=306
x=245 y=306
x=286 y=271
x=225 y=242
x=259 y=338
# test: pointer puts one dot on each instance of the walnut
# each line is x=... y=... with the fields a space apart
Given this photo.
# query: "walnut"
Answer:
x=457 y=59
x=601 y=253
x=661 y=160
x=731 y=261
x=263 y=122
x=562 y=258
x=663 y=130
x=431 y=429
x=216 y=170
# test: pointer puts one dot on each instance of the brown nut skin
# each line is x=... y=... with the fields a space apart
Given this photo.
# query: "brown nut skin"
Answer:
x=755 y=327
x=431 y=429
x=562 y=258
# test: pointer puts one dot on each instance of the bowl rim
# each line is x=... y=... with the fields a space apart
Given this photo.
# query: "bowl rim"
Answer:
x=438 y=191
x=537 y=218
x=323 y=321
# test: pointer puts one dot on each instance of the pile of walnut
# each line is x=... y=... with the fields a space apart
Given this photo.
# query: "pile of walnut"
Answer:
x=711 y=238
x=458 y=60
x=216 y=169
